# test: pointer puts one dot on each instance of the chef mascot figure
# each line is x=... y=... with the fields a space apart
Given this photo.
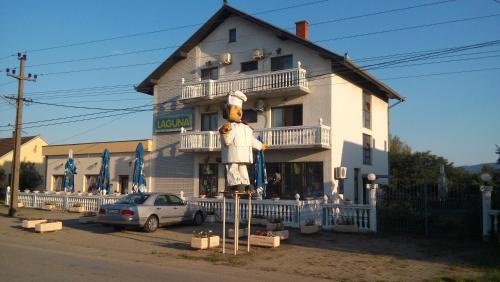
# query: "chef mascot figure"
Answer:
x=237 y=142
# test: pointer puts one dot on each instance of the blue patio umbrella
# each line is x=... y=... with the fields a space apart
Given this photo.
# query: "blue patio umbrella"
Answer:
x=138 y=180
x=260 y=181
x=68 y=183
x=103 y=178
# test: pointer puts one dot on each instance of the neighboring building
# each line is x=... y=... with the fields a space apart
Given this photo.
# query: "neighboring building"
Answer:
x=315 y=109
x=31 y=151
x=87 y=158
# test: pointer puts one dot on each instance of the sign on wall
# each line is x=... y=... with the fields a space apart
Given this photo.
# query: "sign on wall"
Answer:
x=173 y=122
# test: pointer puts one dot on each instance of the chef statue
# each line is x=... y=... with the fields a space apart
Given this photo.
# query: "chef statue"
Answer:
x=237 y=142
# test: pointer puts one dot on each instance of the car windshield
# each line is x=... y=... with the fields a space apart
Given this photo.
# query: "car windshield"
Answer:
x=133 y=199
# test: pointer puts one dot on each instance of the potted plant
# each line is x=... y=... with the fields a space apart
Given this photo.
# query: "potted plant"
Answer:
x=203 y=195
x=202 y=240
x=310 y=227
x=347 y=201
x=345 y=224
x=275 y=224
x=264 y=239
x=77 y=207
x=49 y=206
x=275 y=197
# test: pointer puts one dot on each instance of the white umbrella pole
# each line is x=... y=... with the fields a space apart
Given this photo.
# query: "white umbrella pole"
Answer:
x=224 y=224
x=249 y=217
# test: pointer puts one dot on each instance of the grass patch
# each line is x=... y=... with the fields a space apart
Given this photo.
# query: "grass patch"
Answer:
x=220 y=259
x=492 y=276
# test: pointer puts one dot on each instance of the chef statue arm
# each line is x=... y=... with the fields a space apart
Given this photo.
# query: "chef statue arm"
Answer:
x=227 y=134
x=259 y=146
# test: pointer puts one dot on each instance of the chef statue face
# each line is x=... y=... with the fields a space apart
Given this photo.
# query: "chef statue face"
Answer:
x=233 y=113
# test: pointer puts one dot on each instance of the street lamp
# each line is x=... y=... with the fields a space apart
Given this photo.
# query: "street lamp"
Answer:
x=371 y=179
x=486 y=178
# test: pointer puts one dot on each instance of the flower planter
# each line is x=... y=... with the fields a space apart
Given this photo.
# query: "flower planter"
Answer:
x=310 y=229
x=265 y=241
x=211 y=218
x=283 y=234
x=80 y=209
x=49 y=207
x=20 y=205
x=203 y=196
x=31 y=223
x=205 y=243
x=275 y=199
x=259 y=221
x=48 y=226
x=345 y=228
x=242 y=233
x=275 y=226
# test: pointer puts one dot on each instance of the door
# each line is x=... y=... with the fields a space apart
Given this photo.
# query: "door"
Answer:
x=177 y=209
x=123 y=184
x=161 y=209
x=208 y=179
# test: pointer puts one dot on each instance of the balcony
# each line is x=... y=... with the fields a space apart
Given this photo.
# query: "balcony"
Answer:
x=290 y=82
x=291 y=137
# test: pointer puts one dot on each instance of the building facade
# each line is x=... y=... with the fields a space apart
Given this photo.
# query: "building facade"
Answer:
x=87 y=158
x=315 y=109
x=31 y=151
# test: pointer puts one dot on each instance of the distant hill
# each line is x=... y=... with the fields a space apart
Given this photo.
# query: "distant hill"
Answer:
x=477 y=168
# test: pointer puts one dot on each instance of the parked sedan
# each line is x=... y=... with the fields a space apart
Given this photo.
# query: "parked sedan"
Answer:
x=149 y=211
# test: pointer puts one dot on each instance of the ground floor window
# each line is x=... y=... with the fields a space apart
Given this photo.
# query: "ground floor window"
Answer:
x=57 y=181
x=91 y=182
x=287 y=179
x=208 y=177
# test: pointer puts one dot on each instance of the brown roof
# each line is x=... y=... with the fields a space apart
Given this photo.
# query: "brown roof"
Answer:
x=340 y=65
x=7 y=144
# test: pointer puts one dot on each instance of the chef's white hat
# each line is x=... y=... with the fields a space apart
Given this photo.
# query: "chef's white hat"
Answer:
x=236 y=98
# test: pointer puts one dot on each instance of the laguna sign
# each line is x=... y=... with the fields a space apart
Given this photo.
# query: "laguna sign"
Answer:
x=168 y=123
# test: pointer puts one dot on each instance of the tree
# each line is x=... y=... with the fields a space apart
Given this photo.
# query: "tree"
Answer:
x=3 y=177
x=29 y=176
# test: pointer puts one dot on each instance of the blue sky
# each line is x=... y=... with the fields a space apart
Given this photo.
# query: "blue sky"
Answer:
x=456 y=115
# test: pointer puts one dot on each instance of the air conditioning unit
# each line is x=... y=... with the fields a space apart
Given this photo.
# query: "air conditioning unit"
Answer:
x=225 y=58
x=340 y=172
x=258 y=54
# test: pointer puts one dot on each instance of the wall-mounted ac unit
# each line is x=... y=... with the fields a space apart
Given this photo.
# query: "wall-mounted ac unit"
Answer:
x=225 y=58
x=340 y=172
x=258 y=54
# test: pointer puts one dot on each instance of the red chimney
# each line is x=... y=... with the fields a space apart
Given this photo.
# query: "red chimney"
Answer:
x=301 y=29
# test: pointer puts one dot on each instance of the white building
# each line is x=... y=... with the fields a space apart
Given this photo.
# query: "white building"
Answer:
x=87 y=158
x=316 y=110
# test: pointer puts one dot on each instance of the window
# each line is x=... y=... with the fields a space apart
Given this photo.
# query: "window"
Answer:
x=356 y=185
x=249 y=66
x=174 y=200
x=367 y=112
x=281 y=63
x=210 y=73
x=286 y=116
x=57 y=182
x=209 y=122
x=133 y=199
x=367 y=149
x=208 y=178
x=250 y=116
x=91 y=181
x=287 y=179
x=161 y=200
x=232 y=35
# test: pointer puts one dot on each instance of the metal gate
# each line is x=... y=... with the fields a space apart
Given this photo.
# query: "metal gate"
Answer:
x=428 y=209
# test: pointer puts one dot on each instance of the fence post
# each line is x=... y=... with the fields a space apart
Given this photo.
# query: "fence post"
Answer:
x=34 y=200
x=373 y=206
x=297 y=209
x=486 y=200
x=65 y=202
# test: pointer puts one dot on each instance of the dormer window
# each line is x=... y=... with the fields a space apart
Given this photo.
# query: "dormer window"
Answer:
x=232 y=35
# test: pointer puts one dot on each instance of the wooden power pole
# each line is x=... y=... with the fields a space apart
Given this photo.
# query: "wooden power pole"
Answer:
x=16 y=159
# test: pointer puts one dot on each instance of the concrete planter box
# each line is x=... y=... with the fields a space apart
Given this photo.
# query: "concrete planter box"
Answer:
x=265 y=241
x=205 y=243
x=345 y=228
x=211 y=218
x=48 y=226
x=242 y=233
x=275 y=226
x=283 y=234
x=49 y=207
x=310 y=229
x=76 y=209
x=31 y=223
x=259 y=221
x=20 y=205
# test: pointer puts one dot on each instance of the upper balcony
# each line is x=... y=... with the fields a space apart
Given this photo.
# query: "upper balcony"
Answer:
x=288 y=82
x=290 y=137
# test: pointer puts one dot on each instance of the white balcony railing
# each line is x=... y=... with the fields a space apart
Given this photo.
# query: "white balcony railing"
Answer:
x=210 y=89
x=276 y=138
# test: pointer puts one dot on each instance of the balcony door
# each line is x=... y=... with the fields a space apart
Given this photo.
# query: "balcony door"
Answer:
x=281 y=63
x=208 y=174
x=209 y=121
x=286 y=116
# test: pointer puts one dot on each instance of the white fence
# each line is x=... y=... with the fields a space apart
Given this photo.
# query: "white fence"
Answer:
x=296 y=213
x=276 y=138
x=247 y=83
x=64 y=201
x=491 y=217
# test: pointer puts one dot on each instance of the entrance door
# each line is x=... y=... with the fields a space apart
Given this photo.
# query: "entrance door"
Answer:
x=208 y=179
x=123 y=184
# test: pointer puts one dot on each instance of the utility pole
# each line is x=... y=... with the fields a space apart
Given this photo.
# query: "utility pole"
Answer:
x=16 y=159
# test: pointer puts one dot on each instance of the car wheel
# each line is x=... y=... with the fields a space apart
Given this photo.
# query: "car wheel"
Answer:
x=151 y=224
x=198 y=218
x=118 y=227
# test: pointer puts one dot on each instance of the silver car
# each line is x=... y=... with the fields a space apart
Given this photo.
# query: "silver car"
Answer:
x=149 y=211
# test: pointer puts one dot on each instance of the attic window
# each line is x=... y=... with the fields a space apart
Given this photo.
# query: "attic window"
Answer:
x=232 y=35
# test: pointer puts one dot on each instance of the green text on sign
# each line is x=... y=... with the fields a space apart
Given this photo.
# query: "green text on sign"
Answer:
x=172 y=123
